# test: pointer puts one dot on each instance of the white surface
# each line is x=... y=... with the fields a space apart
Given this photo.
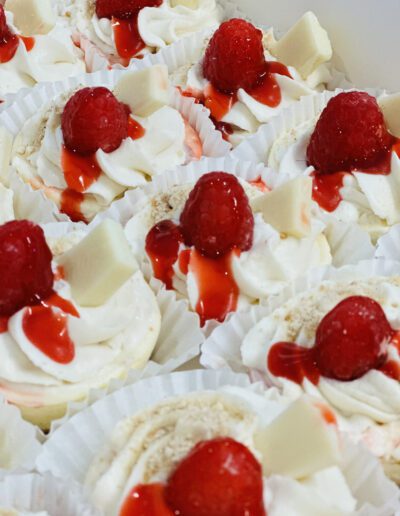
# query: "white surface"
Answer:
x=353 y=26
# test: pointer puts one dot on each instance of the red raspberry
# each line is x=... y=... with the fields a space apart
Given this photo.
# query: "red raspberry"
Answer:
x=234 y=57
x=94 y=119
x=351 y=339
x=122 y=8
x=217 y=216
x=25 y=264
x=5 y=32
x=350 y=134
x=220 y=477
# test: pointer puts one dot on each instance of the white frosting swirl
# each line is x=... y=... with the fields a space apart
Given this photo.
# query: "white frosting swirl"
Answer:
x=38 y=148
x=52 y=58
x=374 y=395
x=147 y=446
x=158 y=26
x=109 y=340
x=262 y=271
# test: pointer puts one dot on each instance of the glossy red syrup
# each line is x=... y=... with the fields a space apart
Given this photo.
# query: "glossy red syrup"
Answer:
x=293 y=362
x=326 y=413
x=28 y=42
x=326 y=189
x=267 y=91
x=224 y=128
x=47 y=329
x=218 y=291
x=396 y=340
x=217 y=102
x=391 y=368
x=127 y=38
x=8 y=47
x=59 y=274
x=184 y=260
x=162 y=247
x=79 y=171
x=4 y=323
x=259 y=183
x=135 y=130
x=146 y=500
x=71 y=205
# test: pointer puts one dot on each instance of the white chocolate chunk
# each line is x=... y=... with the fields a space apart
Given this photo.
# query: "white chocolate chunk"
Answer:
x=144 y=91
x=390 y=106
x=287 y=208
x=99 y=265
x=299 y=442
x=6 y=142
x=191 y=4
x=305 y=46
x=32 y=16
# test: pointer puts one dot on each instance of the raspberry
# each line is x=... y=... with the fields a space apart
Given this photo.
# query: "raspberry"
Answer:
x=25 y=264
x=217 y=216
x=124 y=9
x=350 y=134
x=5 y=32
x=220 y=477
x=94 y=119
x=351 y=339
x=234 y=57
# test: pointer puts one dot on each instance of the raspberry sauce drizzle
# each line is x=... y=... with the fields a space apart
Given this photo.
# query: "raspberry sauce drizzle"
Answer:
x=217 y=102
x=29 y=42
x=79 y=171
x=127 y=38
x=47 y=328
x=146 y=500
x=70 y=204
x=267 y=91
x=135 y=130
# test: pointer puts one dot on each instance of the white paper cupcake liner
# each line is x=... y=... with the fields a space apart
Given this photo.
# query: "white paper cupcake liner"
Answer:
x=20 y=441
x=37 y=493
x=69 y=451
x=34 y=204
x=222 y=349
x=257 y=147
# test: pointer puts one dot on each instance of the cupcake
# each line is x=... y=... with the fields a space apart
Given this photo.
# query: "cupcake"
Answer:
x=348 y=145
x=74 y=316
x=245 y=77
x=36 y=46
x=84 y=148
x=227 y=242
x=221 y=451
x=334 y=335
x=120 y=31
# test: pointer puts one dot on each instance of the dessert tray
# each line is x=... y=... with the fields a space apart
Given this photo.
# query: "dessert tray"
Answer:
x=199 y=263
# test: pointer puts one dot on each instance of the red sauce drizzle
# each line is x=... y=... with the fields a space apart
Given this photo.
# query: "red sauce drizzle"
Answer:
x=47 y=329
x=28 y=42
x=224 y=128
x=326 y=189
x=8 y=47
x=184 y=259
x=79 y=171
x=135 y=130
x=71 y=205
x=4 y=323
x=391 y=368
x=259 y=183
x=218 y=291
x=127 y=38
x=396 y=340
x=59 y=274
x=217 y=102
x=293 y=362
x=326 y=413
x=146 y=500
x=267 y=90
x=278 y=68
x=162 y=247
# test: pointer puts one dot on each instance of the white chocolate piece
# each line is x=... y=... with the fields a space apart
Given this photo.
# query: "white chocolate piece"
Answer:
x=305 y=46
x=99 y=265
x=191 y=4
x=390 y=106
x=6 y=142
x=287 y=208
x=324 y=249
x=32 y=17
x=300 y=441
x=144 y=91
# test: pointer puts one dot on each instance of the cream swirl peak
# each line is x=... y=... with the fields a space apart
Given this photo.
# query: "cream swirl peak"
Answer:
x=83 y=165
x=144 y=26
x=56 y=342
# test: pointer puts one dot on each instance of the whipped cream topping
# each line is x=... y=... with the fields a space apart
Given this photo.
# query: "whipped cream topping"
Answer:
x=53 y=57
x=157 y=26
x=38 y=157
x=264 y=270
x=108 y=340
x=370 y=200
x=7 y=511
x=249 y=110
x=147 y=446
x=375 y=395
